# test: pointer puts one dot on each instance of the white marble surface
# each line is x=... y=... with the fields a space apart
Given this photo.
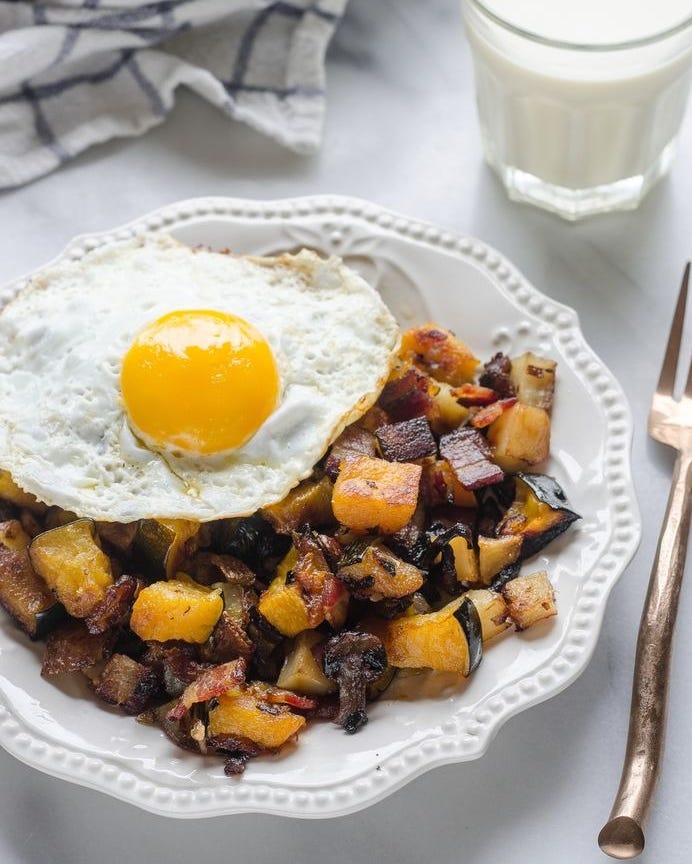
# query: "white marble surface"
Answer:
x=401 y=131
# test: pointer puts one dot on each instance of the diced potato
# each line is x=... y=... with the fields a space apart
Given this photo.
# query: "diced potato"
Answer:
x=496 y=553
x=492 y=610
x=372 y=493
x=465 y=560
x=13 y=536
x=450 y=413
x=12 y=493
x=529 y=599
x=71 y=562
x=434 y=640
x=520 y=437
x=165 y=544
x=439 y=353
x=310 y=503
x=239 y=713
x=176 y=609
x=301 y=672
x=534 y=380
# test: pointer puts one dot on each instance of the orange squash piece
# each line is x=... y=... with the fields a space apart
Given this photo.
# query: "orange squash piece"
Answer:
x=240 y=713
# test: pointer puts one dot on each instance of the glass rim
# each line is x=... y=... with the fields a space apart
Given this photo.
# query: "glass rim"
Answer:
x=585 y=47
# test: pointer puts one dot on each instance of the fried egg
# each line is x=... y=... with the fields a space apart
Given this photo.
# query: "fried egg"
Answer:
x=150 y=379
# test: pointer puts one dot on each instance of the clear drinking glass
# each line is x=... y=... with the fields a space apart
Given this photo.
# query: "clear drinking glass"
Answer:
x=577 y=128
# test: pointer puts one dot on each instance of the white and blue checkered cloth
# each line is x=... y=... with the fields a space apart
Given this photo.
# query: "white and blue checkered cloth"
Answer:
x=77 y=72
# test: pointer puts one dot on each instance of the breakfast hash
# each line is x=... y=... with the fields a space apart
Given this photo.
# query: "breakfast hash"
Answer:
x=233 y=620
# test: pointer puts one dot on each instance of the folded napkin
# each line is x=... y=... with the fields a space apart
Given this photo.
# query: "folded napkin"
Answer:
x=77 y=72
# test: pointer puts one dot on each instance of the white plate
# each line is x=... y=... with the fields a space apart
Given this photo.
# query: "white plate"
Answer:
x=424 y=273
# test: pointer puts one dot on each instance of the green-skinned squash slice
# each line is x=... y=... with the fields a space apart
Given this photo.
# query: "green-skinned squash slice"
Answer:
x=538 y=514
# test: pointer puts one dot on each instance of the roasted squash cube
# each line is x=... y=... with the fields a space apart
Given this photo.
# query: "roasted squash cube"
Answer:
x=496 y=553
x=529 y=599
x=372 y=493
x=465 y=560
x=520 y=437
x=433 y=640
x=375 y=572
x=439 y=353
x=71 y=562
x=282 y=604
x=241 y=713
x=176 y=609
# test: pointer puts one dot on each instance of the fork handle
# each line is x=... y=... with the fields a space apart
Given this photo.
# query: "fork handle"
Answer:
x=623 y=835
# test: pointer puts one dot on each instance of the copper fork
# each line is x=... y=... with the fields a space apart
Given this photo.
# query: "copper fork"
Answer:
x=670 y=421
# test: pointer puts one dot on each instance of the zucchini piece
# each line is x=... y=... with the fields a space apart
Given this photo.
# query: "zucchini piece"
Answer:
x=533 y=378
x=467 y=615
x=310 y=503
x=71 y=562
x=301 y=672
x=538 y=514
x=24 y=595
x=163 y=545
x=529 y=599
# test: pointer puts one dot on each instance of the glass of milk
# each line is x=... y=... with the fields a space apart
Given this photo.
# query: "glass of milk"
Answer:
x=580 y=101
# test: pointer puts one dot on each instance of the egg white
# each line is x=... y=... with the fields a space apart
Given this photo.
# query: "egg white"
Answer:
x=64 y=434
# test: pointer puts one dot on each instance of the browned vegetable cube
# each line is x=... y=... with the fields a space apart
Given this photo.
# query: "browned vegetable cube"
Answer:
x=439 y=353
x=176 y=609
x=374 y=572
x=433 y=640
x=492 y=610
x=529 y=599
x=371 y=493
x=534 y=380
x=242 y=713
x=71 y=562
x=520 y=437
x=13 y=535
x=301 y=672
x=71 y=647
x=127 y=683
x=24 y=595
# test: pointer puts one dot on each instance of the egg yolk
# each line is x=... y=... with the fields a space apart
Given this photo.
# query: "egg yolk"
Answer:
x=199 y=381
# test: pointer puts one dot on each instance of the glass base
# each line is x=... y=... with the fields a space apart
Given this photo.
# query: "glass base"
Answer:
x=574 y=204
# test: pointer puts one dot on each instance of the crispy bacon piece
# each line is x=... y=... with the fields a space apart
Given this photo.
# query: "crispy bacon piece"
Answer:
x=353 y=441
x=472 y=394
x=72 y=647
x=469 y=456
x=115 y=607
x=407 y=440
x=127 y=683
x=212 y=682
x=496 y=375
x=279 y=696
x=490 y=413
x=238 y=751
x=408 y=396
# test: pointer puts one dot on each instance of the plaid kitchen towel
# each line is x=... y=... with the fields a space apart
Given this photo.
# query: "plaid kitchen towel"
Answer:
x=77 y=72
